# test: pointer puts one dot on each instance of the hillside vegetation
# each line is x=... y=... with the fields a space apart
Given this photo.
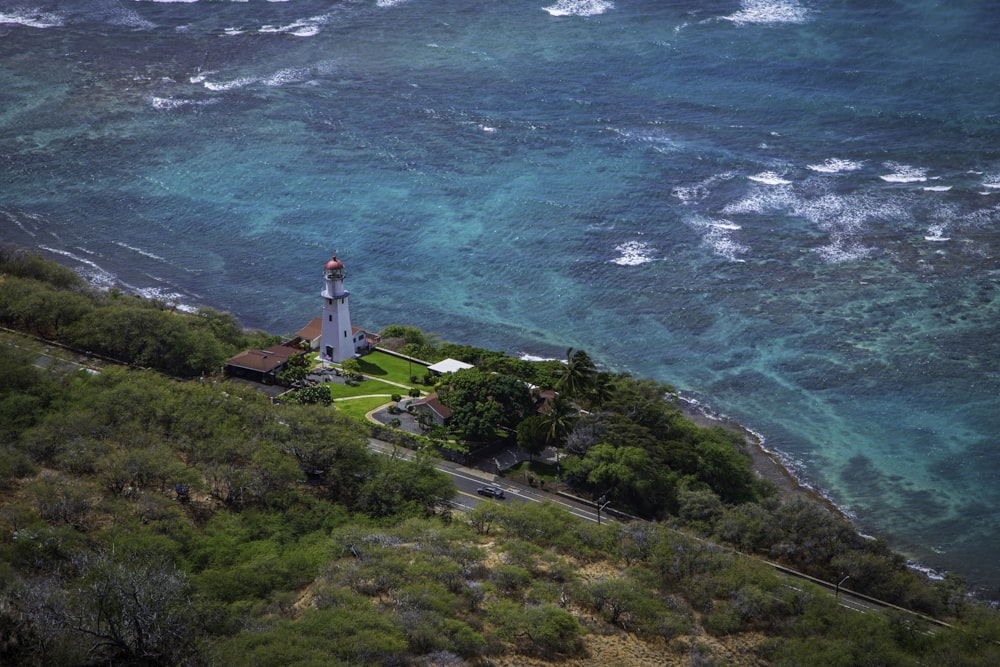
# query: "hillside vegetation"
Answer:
x=146 y=520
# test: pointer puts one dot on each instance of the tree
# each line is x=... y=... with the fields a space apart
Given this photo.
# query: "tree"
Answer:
x=543 y=630
x=558 y=421
x=295 y=369
x=578 y=375
x=128 y=609
x=404 y=488
x=331 y=448
x=351 y=368
x=481 y=402
x=531 y=435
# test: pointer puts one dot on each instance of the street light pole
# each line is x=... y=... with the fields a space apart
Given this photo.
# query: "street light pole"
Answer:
x=839 y=583
x=599 y=508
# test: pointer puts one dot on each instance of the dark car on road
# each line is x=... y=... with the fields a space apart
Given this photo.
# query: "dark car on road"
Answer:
x=490 y=492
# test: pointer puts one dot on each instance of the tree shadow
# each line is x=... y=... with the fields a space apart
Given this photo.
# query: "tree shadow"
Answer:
x=368 y=368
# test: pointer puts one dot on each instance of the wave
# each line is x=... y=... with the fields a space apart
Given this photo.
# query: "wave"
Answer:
x=841 y=250
x=835 y=166
x=633 y=253
x=718 y=235
x=936 y=233
x=175 y=103
x=31 y=18
x=694 y=193
x=19 y=223
x=527 y=356
x=221 y=86
x=279 y=78
x=769 y=11
x=91 y=271
x=301 y=28
x=144 y=253
x=579 y=7
x=769 y=178
x=904 y=173
x=172 y=298
x=937 y=188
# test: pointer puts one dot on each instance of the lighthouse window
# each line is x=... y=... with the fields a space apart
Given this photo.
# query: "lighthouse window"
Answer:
x=331 y=318
x=345 y=333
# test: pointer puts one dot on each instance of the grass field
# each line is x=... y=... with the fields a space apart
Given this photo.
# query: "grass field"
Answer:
x=359 y=407
x=364 y=388
x=387 y=367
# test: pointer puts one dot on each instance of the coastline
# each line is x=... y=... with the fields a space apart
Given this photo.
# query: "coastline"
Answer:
x=765 y=464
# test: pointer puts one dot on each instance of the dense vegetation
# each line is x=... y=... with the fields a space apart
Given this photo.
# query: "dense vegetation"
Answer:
x=47 y=300
x=150 y=521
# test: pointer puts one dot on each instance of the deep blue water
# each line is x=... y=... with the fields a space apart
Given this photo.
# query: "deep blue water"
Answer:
x=789 y=209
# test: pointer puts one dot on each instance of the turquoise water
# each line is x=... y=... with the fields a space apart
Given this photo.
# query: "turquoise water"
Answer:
x=789 y=210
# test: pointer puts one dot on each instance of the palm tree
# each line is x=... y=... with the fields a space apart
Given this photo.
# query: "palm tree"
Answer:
x=578 y=375
x=558 y=420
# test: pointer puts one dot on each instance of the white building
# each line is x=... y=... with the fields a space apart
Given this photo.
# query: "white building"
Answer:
x=337 y=338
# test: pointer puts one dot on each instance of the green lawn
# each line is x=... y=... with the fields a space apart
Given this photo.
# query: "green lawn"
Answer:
x=387 y=367
x=359 y=407
x=364 y=388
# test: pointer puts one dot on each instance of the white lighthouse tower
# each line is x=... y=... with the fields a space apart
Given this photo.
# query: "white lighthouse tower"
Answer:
x=337 y=337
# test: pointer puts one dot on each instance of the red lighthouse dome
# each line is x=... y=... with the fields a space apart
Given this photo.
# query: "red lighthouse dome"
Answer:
x=334 y=264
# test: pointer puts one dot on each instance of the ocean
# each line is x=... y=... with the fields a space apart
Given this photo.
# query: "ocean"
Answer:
x=789 y=210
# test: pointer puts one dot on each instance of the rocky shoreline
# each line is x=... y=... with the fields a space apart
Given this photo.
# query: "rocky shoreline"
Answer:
x=764 y=462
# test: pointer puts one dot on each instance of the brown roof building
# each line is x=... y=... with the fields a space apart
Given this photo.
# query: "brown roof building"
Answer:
x=260 y=365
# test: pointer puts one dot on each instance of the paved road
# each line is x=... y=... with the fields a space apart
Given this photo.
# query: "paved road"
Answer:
x=467 y=480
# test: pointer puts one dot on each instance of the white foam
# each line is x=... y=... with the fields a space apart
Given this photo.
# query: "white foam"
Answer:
x=92 y=271
x=762 y=201
x=302 y=28
x=144 y=253
x=835 y=166
x=219 y=86
x=163 y=296
x=769 y=11
x=526 y=356
x=579 y=7
x=389 y=3
x=168 y=103
x=288 y=75
x=699 y=191
x=842 y=250
x=935 y=233
x=718 y=235
x=769 y=178
x=633 y=253
x=937 y=188
x=130 y=18
x=19 y=223
x=31 y=18
x=903 y=173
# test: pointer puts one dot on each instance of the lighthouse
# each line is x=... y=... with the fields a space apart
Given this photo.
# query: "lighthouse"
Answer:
x=337 y=337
